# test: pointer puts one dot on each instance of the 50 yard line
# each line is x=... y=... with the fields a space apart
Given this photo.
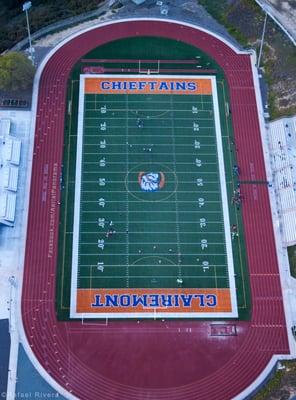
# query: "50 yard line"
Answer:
x=176 y=194
x=127 y=195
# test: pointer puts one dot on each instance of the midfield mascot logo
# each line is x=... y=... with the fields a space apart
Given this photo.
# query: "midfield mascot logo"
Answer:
x=151 y=181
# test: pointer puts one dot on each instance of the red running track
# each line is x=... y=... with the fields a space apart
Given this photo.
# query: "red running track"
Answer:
x=176 y=360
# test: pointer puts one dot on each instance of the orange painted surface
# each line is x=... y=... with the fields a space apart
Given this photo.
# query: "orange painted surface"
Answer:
x=145 y=85
x=202 y=300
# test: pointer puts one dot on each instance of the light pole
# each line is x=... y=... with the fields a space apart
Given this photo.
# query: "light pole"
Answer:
x=262 y=41
x=26 y=7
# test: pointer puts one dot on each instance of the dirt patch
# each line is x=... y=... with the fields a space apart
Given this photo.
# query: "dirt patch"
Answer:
x=244 y=19
x=282 y=386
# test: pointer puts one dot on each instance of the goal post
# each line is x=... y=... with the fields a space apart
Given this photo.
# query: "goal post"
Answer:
x=145 y=67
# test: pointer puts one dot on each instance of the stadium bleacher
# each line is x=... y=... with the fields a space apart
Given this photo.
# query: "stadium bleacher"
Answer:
x=282 y=141
x=10 y=152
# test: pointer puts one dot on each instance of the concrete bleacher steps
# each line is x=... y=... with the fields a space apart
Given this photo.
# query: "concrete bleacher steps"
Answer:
x=10 y=178
x=16 y=152
x=13 y=179
x=7 y=208
x=5 y=124
x=10 y=154
x=282 y=143
x=11 y=150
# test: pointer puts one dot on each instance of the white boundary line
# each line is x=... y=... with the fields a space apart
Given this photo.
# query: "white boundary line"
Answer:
x=76 y=229
x=78 y=173
x=225 y=203
x=154 y=314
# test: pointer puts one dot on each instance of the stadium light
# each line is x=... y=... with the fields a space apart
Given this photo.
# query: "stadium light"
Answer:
x=26 y=6
x=262 y=41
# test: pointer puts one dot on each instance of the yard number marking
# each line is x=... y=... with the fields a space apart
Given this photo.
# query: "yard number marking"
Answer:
x=203 y=244
x=100 y=266
x=202 y=222
x=102 y=202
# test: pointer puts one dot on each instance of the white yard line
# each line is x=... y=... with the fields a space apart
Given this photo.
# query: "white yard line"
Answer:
x=127 y=196
x=75 y=246
x=224 y=200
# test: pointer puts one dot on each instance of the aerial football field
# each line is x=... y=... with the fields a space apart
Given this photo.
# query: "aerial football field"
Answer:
x=150 y=205
x=152 y=232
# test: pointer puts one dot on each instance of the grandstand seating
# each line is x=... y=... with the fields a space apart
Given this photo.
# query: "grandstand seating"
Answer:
x=13 y=179
x=282 y=142
x=16 y=152
x=10 y=151
x=7 y=208
x=4 y=126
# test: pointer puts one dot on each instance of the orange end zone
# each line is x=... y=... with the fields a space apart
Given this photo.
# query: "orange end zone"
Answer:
x=149 y=85
x=146 y=300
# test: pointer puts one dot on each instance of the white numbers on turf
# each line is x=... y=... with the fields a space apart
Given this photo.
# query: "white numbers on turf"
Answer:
x=203 y=244
x=201 y=202
x=103 y=162
x=101 y=222
x=102 y=202
x=196 y=144
x=101 y=244
x=102 y=144
x=102 y=181
x=103 y=126
x=100 y=266
x=205 y=266
x=194 y=110
x=199 y=182
x=198 y=162
x=103 y=109
x=202 y=222
x=195 y=126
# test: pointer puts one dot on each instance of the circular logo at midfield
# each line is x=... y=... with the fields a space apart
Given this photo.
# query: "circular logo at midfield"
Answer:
x=151 y=181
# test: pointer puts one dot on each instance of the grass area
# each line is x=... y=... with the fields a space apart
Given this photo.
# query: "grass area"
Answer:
x=43 y=13
x=244 y=21
x=141 y=48
x=281 y=385
x=292 y=260
x=220 y=9
x=161 y=223
x=271 y=387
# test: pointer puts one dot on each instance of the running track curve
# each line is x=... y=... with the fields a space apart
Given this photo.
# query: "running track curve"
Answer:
x=175 y=360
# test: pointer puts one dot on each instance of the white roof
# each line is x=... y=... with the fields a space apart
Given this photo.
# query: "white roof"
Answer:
x=11 y=150
x=13 y=179
x=6 y=148
x=16 y=152
x=289 y=218
x=7 y=208
x=5 y=176
x=4 y=126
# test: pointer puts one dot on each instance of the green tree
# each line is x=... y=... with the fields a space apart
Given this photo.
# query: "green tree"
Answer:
x=16 y=71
